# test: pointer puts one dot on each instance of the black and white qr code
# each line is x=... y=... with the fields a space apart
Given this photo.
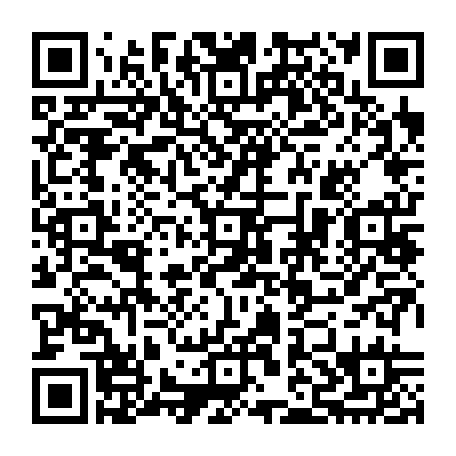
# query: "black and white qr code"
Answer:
x=226 y=227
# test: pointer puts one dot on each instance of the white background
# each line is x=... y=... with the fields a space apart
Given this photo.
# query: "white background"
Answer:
x=19 y=19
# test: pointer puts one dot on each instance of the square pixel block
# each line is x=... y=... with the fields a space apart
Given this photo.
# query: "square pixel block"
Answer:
x=60 y=59
x=395 y=59
x=60 y=395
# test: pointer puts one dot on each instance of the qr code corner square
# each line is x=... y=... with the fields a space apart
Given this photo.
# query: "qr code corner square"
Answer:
x=59 y=395
x=396 y=59
x=59 y=59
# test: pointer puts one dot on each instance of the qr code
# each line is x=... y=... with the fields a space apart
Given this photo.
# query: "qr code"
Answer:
x=226 y=227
